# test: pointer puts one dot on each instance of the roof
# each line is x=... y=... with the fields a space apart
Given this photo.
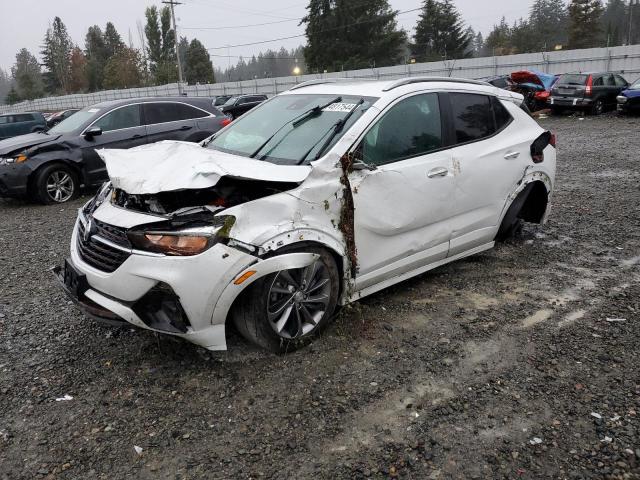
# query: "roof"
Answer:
x=198 y=101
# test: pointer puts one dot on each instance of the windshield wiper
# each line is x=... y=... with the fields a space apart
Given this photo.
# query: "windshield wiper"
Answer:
x=296 y=122
x=336 y=128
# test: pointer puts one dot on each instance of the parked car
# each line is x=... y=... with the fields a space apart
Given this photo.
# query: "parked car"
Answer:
x=535 y=86
x=51 y=167
x=57 y=117
x=14 y=124
x=237 y=106
x=629 y=99
x=592 y=92
x=500 y=81
x=322 y=195
x=220 y=100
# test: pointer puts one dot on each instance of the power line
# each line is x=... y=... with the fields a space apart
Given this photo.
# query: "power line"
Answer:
x=242 y=26
x=304 y=34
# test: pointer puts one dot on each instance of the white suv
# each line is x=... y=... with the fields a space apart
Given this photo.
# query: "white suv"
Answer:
x=320 y=196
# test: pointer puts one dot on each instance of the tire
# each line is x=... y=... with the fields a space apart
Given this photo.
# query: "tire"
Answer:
x=598 y=107
x=56 y=183
x=262 y=308
x=512 y=223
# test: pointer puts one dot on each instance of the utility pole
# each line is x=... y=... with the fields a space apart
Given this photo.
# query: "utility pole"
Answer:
x=175 y=31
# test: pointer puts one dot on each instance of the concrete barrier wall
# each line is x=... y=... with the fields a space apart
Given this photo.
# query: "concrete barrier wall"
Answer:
x=624 y=60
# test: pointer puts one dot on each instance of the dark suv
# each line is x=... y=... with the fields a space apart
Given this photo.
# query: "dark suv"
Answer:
x=13 y=124
x=236 y=106
x=50 y=167
x=593 y=92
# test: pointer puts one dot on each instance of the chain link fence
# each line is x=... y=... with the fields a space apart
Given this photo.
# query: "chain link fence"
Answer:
x=623 y=60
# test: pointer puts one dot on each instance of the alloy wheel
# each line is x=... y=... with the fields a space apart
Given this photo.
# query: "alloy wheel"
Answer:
x=298 y=300
x=60 y=186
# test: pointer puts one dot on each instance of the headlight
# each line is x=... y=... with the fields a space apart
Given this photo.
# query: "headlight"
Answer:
x=15 y=159
x=183 y=242
x=621 y=99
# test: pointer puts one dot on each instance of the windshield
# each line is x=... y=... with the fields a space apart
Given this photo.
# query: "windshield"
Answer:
x=573 y=79
x=635 y=85
x=76 y=120
x=231 y=101
x=292 y=129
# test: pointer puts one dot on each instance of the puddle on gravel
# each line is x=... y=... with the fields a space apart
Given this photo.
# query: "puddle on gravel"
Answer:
x=538 y=317
x=572 y=318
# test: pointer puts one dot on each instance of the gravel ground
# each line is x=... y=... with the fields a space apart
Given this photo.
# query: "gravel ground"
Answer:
x=521 y=362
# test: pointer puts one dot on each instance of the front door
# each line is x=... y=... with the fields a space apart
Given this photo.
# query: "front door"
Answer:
x=121 y=128
x=402 y=207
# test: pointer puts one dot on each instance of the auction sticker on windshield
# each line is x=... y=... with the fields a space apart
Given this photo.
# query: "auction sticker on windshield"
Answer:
x=339 y=107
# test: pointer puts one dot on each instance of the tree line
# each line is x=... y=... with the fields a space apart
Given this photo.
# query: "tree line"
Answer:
x=106 y=61
x=341 y=35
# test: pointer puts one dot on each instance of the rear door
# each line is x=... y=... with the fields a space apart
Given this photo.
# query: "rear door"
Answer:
x=489 y=159
x=171 y=120
x=611 y=89
x=121 y=128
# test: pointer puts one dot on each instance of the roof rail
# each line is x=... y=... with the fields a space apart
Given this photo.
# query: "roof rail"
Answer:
x=411 y=80
x=320 y=81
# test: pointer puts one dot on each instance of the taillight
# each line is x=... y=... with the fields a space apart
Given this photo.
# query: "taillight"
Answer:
x=589 y=89
x=540 y=143
x=225 y=121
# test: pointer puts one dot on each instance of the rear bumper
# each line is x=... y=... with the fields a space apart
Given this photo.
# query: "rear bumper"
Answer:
x=564 y=102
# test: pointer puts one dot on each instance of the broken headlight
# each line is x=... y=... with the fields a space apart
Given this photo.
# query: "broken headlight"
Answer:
x=22 y=157
x=186 y=241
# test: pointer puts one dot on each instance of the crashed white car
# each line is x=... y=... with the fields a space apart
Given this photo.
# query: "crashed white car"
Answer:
x=320 y=196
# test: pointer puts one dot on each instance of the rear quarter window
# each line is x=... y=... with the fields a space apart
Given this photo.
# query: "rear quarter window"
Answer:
x=23 y=117
x=472 y=116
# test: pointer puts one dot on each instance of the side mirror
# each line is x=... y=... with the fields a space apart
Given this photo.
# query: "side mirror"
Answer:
x=92 y=132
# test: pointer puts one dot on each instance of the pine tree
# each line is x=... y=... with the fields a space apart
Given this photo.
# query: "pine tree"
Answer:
x=343 y=34
x=95 y=53
x=161 y=44
x=56 y=55
x=183 y=46
x=499 y=39
x=27 y=75
x=112 y=40
x=614 y=23
x=440 y=33
x=549 y=21
x=585 y=23
x=123 y=69
x=78 y=81
x=12 y=97
x=198 y=64
x=5 y=84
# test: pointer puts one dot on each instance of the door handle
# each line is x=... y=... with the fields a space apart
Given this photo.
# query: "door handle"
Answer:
x=438 y=172
x=511 y=155
x=135 y=137
x=185 y=127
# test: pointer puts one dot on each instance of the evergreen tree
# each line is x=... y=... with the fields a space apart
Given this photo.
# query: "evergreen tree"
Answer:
x=183 y=46
x=585 y=18
x=343 y=34
x=12 y=97
x=112 y=40
x=5 y=84
x=614 y=24
x=198 y=64
x=524 y=38
x=27 y=75
x=499 y=39
x=56 y=55
x=95 y=53
x=440 y=33
x=161 y=44
x=123 y=69
x=549 y=20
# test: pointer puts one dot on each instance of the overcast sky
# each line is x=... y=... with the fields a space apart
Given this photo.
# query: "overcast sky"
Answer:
x=23 y=22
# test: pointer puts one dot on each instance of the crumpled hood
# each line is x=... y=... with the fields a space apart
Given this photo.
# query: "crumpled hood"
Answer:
x=170 y=165
x=22 y=142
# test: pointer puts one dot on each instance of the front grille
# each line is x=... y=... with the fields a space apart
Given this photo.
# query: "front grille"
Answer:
x=98 y=254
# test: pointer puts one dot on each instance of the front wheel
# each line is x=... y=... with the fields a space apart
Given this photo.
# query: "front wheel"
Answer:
x=285 y=310
x=56 y=183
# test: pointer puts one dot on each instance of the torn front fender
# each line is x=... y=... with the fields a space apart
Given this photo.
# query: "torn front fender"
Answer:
x=260 y=269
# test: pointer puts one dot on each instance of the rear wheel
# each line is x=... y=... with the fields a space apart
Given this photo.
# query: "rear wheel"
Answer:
x=56 y=183
x=598 y=107
x=285 y=310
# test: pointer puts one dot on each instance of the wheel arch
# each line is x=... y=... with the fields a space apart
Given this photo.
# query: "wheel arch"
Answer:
x=47 y=163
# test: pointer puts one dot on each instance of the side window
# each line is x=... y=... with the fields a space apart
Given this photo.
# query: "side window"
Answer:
x=598 y=82
x=609 y=81
x=162 y=112
x=411 y=127
x=472 y=116
x=123 y=117
x=620 y=82
x=5 y=119
x=22 y=117
x=503 y=117
x=186 y=112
